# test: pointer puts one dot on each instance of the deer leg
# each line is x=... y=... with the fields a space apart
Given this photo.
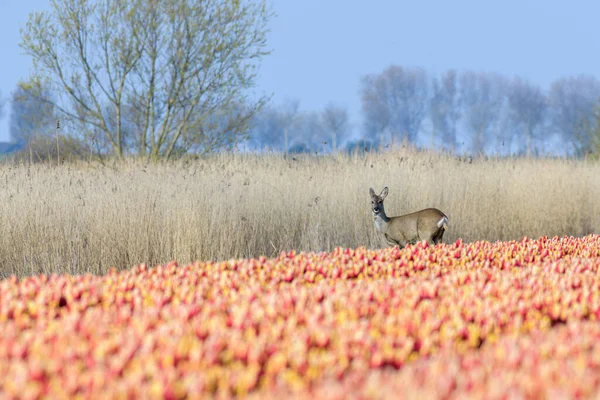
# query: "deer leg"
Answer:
x=401 y=243
x=438 y=236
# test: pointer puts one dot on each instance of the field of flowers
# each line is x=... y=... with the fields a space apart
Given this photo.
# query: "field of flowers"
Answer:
x=484 y=320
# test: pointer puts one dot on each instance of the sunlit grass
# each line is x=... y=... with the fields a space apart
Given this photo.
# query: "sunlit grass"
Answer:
x=89 y=217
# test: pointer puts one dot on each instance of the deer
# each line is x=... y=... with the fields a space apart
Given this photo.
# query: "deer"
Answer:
x=428 y=224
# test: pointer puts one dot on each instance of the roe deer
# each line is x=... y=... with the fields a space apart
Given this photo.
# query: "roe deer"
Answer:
x=428 y=224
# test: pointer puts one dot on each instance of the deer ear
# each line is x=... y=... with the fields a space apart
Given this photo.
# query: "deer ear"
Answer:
x=384 y=193
x=371 y=192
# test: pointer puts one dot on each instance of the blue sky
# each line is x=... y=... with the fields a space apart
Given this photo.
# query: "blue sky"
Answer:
x=321 y=48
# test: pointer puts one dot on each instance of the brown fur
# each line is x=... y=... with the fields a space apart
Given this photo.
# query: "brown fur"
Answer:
x=428 y=224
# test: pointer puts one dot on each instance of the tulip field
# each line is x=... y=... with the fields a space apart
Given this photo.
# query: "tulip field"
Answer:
x=518 y=319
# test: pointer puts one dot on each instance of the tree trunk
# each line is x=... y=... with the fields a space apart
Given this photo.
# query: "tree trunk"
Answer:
x=528 y=141
x=334 y=142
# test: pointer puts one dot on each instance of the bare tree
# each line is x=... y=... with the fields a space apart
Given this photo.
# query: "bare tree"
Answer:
x=266 y=130
x=396 y=101
x=336 y=122
x=481 y=98
x=376 y=111
x=287 y=128
x=592 y=146
x=36 y=129
x=527 y=105
x=273 y=127
x=310 y=132
x=31 y=113
x=444 y=108
x=289 y=116
x=177 y=63
x=572 y=102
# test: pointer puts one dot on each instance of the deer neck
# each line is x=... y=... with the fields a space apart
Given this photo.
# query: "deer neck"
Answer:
x=381 y=221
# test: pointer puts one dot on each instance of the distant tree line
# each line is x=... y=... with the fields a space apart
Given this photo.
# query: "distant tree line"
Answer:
x=463 y=112
x=466 y=112
x=285 y=127
x=161 y=79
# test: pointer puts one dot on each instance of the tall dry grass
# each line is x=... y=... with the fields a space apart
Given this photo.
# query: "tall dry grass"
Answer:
x=80 y=218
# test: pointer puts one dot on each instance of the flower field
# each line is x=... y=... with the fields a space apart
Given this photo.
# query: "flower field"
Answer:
x=483 y=320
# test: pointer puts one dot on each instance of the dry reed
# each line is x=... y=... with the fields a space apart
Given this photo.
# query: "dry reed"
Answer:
x=79 y=218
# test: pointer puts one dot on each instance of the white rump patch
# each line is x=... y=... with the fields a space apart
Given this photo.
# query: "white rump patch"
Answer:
x=443 y=221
